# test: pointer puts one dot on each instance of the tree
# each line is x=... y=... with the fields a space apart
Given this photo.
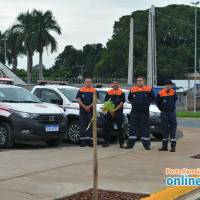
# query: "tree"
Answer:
x=91 y=56
x=2 y=48
x=43 y=23
x=15 y=47
x=25 y=26
x=70 y=59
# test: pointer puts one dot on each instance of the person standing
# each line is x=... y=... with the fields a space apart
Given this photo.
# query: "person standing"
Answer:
x=85 y=100
x=165 y=101
x=140 y=96
x=117 y=96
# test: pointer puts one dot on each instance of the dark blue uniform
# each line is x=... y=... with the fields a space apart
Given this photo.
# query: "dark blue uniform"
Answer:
x=116 y=98
x=140 y=99
x=86 y=96
x=166 y=104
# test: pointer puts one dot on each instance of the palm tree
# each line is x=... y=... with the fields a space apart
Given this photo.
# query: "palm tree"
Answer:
x=25 y=24
x=15 y=47
x=41 y=37
x=2 y=48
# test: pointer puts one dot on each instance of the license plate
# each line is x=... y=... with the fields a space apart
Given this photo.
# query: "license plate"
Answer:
x=115 y=126
x=52 y=128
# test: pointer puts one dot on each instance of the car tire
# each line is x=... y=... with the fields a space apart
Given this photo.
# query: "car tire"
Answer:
x=73 y=132
x=157 y=135
x=6 y=139
x=53 y=143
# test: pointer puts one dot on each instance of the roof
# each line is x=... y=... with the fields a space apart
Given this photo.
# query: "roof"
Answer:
x=8 y=73
x=182 y=85
x=56 y=86
x=8 y=86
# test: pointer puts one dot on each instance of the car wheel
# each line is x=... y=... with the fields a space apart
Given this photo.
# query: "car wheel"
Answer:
x=157 y=135
x=53 y=143
x=6 y=139
x=73 y=132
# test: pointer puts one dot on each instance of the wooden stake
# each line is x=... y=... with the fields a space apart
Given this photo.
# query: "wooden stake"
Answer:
x=95 y=160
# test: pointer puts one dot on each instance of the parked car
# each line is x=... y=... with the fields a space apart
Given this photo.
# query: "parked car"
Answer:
x=24 y=117
x=154 y=112
x=65 y=96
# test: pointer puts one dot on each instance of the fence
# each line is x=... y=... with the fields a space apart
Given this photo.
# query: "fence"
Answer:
x=78 y=80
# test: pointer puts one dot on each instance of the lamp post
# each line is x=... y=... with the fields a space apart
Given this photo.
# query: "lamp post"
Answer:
x=195 y=56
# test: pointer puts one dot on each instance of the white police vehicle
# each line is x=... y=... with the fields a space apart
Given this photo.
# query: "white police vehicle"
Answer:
x=24 y=117
x=65 y=96
x=154 y=112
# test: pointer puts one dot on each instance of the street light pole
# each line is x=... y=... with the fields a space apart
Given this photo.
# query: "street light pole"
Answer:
x=195 y=56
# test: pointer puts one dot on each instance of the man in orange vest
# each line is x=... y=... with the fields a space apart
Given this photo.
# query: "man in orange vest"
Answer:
x=85 y=100
x=165 y=101
x=117 y=96
x=140 y=96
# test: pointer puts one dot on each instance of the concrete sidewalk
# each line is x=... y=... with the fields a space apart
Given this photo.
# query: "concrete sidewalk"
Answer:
x=46 y=174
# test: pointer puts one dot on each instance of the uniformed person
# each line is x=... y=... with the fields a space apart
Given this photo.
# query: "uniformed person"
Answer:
x=140 y=96
x=165 y=101
x=85 y=100
x=117 y=96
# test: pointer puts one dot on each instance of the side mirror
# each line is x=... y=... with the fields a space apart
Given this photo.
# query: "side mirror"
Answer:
x=57 y=101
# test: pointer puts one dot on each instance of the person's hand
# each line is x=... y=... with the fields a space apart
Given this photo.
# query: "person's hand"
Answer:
x=87 y=108
x=112 y=114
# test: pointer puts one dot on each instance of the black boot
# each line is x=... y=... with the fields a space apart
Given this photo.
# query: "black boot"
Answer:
x=163 y=149
x=106 y=144
x=173 y=149
x=122 y=145
x=83 y=143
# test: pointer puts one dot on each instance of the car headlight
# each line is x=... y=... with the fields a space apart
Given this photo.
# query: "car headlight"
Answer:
x=154 y=114
x=26 y=115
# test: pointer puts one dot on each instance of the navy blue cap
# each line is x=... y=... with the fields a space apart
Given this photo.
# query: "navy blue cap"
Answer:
x=168 y=82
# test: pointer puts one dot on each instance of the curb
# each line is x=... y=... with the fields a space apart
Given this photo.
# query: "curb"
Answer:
x=171 y=192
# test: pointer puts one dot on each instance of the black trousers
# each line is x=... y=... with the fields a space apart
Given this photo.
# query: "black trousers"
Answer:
x=108 y=128
x=140 y=120
x=84 y=120
x=169 y=124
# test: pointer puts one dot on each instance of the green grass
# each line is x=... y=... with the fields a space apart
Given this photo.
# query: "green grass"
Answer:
x=188 y=114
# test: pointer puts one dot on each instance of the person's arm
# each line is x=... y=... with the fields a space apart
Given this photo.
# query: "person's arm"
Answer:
x=175 y=97
x=158 y=101
x=152 y=96
x=130 y=96
x=122 y=100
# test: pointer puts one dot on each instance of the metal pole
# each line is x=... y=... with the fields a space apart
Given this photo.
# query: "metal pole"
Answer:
x=195 y=55
x=95 y=160
x=130 y=60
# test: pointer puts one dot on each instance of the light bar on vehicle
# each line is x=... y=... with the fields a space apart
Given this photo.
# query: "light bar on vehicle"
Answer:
x=6 y=81
x=43 y=82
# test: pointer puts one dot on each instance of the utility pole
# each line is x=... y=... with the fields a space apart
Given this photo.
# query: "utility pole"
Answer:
x=151 y=59
x=130 y=59
x=195 y=54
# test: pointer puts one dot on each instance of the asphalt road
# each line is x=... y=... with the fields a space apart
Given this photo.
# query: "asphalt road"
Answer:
x=191 y=123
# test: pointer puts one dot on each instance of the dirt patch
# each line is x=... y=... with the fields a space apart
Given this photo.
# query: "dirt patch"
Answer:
x=197 y=156
x=105 y=195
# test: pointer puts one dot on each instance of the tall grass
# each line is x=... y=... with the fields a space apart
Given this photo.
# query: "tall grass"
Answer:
x=188 y=114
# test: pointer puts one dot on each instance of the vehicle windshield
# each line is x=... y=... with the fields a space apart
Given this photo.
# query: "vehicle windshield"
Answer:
x=126 y=96
x=102 y=95
x=70 y=94
x=17 y=95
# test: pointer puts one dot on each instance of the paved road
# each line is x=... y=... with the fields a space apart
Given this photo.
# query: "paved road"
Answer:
x=192 y=123
x=39 y=173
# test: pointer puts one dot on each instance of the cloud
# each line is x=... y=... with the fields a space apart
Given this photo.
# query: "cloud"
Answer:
x=82 y=21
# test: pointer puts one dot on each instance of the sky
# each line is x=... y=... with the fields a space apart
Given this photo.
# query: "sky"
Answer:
x=82 y=21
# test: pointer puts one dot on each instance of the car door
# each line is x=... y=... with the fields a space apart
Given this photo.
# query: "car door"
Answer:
x=50 y=96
